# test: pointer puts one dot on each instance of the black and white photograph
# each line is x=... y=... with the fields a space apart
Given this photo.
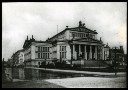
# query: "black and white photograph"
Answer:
x=64 y=44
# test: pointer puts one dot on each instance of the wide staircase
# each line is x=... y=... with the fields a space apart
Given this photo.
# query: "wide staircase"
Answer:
x=92 y=63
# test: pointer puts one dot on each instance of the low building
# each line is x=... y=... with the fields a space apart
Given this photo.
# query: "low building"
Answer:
x=17 y=58
x=118 y=53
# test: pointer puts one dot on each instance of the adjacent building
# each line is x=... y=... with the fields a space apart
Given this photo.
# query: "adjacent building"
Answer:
x=36 y=52
x=117 y=55
x=17 y=58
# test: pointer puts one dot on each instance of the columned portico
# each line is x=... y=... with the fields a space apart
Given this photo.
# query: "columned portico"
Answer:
x=87 y=51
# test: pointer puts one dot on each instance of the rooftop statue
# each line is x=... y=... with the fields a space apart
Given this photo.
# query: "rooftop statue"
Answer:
x=80 y=23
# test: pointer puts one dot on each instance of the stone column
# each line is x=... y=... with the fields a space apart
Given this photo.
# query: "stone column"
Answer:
x=73 y=51
x=90 y=56
x=79 y=49
x=85 y=53
x=96 y=52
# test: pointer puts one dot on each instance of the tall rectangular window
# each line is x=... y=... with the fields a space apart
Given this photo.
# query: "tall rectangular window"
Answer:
x=60 y=48
x=38 y=55
x=46 y=55
x=48 y=49
x=63 y=51
x=65 y=54
x=60 y=55
x=41 y=55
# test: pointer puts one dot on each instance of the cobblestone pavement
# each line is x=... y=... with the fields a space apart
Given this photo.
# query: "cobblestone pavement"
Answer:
x=91 y=82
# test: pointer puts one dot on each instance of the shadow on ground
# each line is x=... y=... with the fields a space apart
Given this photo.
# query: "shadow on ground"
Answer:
x=31 y=84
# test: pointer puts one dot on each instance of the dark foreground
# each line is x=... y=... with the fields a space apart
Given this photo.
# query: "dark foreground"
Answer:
x=31 y=84
x=57 y=78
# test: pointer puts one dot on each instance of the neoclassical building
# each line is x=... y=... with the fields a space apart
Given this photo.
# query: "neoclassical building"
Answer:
x=68 y=45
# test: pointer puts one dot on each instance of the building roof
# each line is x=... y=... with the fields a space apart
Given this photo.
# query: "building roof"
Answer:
x=28 y=42
x=79 y=29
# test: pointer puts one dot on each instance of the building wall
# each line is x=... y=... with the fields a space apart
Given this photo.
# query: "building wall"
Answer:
x=54 y=52
x=67 y=35
x=21 y=57
x=27 y=53
x=68 y=54
x=58 y=48
x=32 y=52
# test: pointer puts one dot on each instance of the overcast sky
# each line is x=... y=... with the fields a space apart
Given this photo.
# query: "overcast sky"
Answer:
x=41 y=20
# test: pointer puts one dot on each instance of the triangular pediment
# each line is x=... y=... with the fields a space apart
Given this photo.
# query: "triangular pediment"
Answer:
x=83 y=29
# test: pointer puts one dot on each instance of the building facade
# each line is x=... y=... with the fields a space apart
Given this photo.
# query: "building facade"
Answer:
x=35 y=52
x=117 y=55
x=70 y=44
x=17 y=58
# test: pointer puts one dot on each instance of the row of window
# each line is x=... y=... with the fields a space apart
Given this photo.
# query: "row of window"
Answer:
x=81 y=35
x=44 y=49
x=43 y=55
